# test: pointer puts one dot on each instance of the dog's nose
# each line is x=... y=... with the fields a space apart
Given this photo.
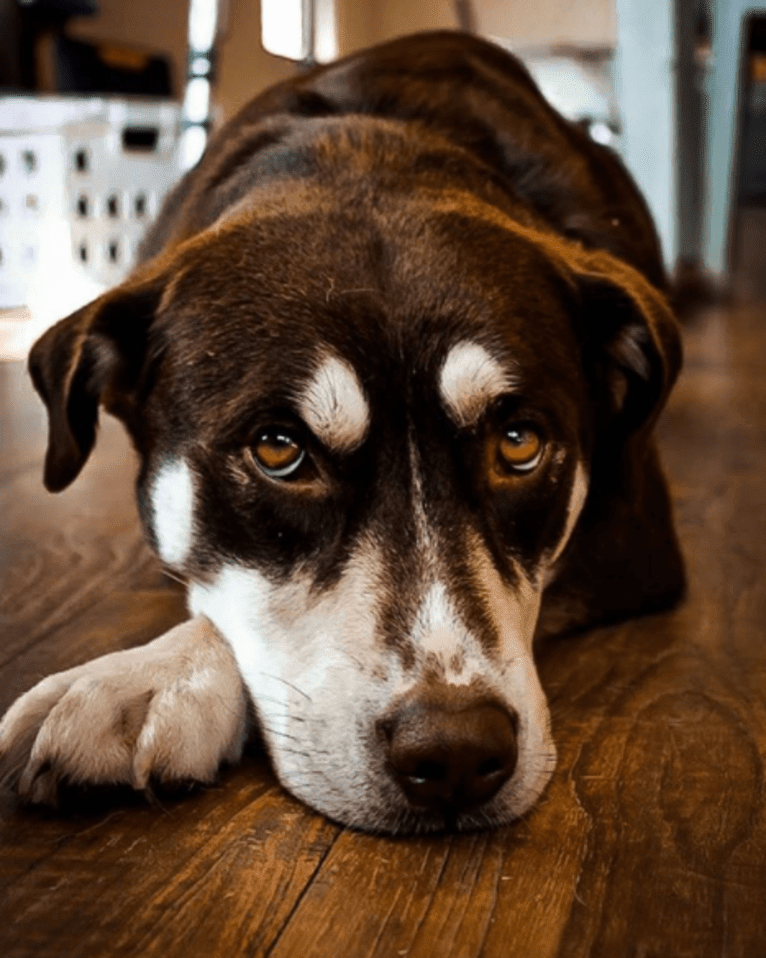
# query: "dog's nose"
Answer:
x=451 y=760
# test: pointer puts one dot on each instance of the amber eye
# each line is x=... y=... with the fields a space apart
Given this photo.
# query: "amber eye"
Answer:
x=520 y=448
x=276 y=453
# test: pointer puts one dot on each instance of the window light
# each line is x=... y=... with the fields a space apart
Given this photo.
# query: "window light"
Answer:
x=304 y=30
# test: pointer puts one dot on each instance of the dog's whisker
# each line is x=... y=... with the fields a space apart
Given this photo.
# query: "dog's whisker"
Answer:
x=171 y=574
x=273 y=731
x=278 y=678
x=353 y=658
x=295 y=751
x=287 y=717
x=270 y=698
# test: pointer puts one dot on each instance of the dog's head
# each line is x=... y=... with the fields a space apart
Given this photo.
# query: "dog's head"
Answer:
x=367 y=431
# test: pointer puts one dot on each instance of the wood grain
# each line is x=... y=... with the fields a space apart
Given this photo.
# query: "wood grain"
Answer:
x=649 y=843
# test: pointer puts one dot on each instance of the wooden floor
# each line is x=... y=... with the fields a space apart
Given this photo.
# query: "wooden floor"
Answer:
x=649 y=842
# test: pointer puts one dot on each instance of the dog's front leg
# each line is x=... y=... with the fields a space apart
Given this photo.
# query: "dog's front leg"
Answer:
x=173 y=709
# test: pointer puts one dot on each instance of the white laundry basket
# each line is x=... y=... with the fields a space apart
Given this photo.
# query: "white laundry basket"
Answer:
x=80 y=180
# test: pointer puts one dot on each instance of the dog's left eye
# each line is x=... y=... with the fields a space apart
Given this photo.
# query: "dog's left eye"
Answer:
x=520 y=448
x=276 y=453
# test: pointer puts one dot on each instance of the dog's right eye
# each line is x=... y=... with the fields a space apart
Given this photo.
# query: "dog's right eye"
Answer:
x=276 y=453
x=520 y=448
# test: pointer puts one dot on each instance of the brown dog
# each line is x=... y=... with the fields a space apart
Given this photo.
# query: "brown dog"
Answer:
x=391 y=364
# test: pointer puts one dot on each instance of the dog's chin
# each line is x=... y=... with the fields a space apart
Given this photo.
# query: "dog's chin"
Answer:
x=413 y=821
x=392 y=815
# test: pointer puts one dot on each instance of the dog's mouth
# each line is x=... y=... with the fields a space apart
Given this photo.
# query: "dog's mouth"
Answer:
x=395 y=813
x=429 y=770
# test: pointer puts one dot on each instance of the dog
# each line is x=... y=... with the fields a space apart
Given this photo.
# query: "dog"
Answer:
x=391 y=362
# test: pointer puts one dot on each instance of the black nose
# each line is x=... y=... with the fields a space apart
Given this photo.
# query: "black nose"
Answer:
x=451 y=760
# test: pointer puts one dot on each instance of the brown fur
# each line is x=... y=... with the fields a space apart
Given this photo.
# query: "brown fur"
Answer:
x=385 y=207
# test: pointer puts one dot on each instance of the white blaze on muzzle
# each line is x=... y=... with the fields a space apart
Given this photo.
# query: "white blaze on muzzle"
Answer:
x=322 y=677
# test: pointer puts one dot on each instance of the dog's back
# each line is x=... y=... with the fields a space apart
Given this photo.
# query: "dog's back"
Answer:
x=469 y=92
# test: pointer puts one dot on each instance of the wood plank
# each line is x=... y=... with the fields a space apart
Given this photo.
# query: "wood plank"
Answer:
x=218 y=871
x=61 y=553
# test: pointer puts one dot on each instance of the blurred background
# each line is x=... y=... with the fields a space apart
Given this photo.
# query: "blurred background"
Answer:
x=103 y=103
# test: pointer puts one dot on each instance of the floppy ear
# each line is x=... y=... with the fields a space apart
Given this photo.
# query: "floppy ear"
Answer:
x=631 y=342
x=95 y=356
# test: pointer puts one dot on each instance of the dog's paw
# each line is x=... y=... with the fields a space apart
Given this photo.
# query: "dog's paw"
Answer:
x=172 y=710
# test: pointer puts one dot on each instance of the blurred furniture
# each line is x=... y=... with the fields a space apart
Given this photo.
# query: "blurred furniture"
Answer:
x=577 y=80
x=684 y=119
x=727 y=85
x=22 y=23
x=67 y=65
x=751 y=165
x=80 y=178
x=37 y=55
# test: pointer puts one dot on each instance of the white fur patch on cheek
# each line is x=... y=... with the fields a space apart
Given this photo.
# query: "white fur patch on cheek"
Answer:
x=172 y=498
x=576 y=502
x=288 y=641
x=335 y=407
x=307 y=660
x=470 y=380
x=513 y=609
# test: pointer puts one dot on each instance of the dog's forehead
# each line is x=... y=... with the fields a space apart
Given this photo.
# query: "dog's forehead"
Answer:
x=336 y=406
x=365 y=307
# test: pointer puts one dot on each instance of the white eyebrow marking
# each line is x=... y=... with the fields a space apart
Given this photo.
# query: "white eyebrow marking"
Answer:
x=172 y=497
x=334 y=405
x=470 y=379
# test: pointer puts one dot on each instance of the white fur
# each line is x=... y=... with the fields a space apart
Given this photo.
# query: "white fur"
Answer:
x=334 y=405
x=440 y=635
x=515 y=611
x=321 y=677
x=174 y=708
x=470 y=380
x=307 y=660
x=576 y=502
x=425 y=543
x=172 y=497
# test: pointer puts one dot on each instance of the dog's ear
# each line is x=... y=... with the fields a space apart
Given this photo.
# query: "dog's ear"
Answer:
x=631 y=342
x=95 y=356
